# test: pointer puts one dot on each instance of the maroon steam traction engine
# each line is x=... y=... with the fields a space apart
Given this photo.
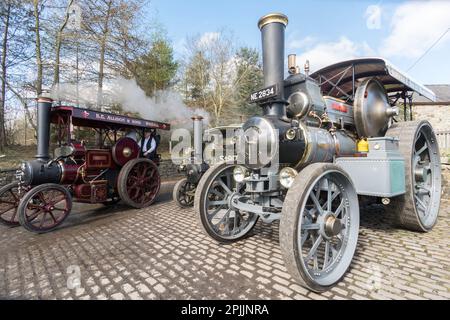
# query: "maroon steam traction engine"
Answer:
x=42 y=198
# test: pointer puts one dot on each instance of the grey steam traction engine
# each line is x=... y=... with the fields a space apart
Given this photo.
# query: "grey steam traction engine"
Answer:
x=194 y=165
x=114 y=170
x=328 y=139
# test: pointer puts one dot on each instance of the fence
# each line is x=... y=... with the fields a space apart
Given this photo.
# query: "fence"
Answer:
x=444 y=140
x=7 y=176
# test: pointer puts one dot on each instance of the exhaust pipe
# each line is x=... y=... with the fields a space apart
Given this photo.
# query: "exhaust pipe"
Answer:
x=44 y=106
x=272 y=28
x=198 y=139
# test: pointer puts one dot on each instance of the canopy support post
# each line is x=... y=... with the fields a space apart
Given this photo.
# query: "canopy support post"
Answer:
x=353 y=82
x=410 y=107
x=404 y=106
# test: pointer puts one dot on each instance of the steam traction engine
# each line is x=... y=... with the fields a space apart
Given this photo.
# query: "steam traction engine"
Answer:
x=329 y=138
x=42 y=198
x=194 y=165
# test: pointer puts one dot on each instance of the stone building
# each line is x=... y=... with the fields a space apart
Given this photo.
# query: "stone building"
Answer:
x=438 y=113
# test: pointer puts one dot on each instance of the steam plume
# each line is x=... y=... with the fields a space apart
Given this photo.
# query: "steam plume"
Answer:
x=166 y=106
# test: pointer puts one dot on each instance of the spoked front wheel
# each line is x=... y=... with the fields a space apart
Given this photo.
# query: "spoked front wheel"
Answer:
x=184 y=193
x=213 y=199
x=319 y=226
x=44 y=207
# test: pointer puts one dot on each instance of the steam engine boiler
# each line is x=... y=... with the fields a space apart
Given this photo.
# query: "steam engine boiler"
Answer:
x=195 y=164
x=323 y=141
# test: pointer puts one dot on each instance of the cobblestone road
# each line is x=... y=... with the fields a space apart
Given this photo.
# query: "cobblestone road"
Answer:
x=160 y=253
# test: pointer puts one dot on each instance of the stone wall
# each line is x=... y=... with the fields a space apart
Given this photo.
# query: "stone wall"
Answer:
x=168 y=170
x=439 y=116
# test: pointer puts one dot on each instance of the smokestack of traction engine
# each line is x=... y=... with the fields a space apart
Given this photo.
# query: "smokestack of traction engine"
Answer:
x=44 y=106
x=40 y=171
x=272 y=28
x=198 y=138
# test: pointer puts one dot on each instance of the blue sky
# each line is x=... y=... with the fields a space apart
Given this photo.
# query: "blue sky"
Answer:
x=326 y=31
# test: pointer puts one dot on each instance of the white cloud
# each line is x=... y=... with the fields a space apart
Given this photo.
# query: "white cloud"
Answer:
x=207 y=38
x=414 y=28
x=373 y=17
x=324 y=54
x=295 y=44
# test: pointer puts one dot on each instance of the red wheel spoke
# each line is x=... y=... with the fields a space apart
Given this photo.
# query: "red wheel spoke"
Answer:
x=138 y=194
x=3 y=212
x=14 y=215
x=155 y=184
x=14 y=195
x=135 y=185
x=41 y=197
x=53 y=217
x=59 y=200
x=143 y=198
x=33 y=206
x=8 y=202
x=133 y=188
x=43 y=219
x=144 y=171
x=34 y=216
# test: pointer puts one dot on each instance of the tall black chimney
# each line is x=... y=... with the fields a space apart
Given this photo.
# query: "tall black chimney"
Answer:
x=272 y=28
x=44 y=106
x=198 y=138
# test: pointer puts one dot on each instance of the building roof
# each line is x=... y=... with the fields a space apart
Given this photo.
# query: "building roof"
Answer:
x=442 y=92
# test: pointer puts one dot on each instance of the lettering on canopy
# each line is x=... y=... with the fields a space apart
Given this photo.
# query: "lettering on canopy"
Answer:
x=118 y=119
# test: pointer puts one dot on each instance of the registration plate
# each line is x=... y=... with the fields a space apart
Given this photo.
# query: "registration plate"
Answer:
x=264 y=94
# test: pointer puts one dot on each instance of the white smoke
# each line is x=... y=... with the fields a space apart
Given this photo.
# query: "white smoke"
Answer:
x=165 y=106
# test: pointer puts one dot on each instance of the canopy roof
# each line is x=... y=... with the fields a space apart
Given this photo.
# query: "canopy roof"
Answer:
x=337 y=79
x=104 y=120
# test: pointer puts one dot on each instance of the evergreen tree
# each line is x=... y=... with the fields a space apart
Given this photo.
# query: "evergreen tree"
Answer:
x=249 y=78
x=156 y=69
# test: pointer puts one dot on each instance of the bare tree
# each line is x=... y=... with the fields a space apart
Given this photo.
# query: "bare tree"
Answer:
x=219 y=78
x=59 y=37
x=37 y=6
x=3 y=84
x=217 y=52
x=15 y=54
x=110 y=27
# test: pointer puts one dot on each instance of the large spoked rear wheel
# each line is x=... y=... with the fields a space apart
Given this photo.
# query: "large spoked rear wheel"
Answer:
x=184 y=193
x=139 y=183
x=319 y=226
x=44 y=207
x=213 y=197
x=418 y=208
